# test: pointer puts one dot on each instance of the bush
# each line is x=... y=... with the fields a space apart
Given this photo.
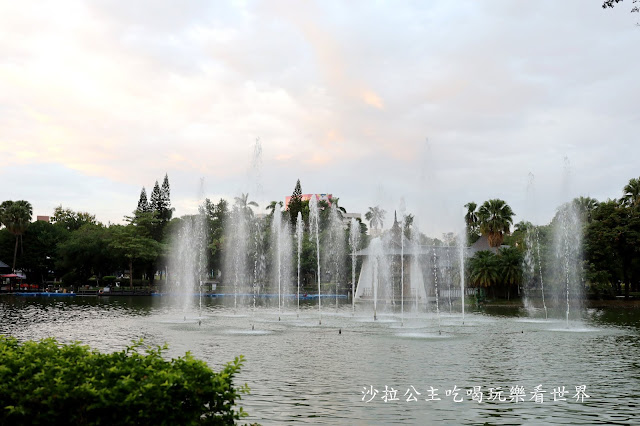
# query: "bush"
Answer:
x=49 y=383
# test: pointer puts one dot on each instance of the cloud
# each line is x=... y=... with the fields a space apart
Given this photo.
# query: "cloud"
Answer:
x=342 y=95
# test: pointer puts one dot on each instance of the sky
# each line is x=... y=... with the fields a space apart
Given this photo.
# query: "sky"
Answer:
x=419 y=107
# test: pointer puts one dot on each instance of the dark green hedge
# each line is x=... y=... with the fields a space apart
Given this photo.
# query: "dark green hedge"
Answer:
x=50 y=383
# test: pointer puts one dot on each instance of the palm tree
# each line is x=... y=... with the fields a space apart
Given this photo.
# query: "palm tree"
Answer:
x=244 y=205
x=408 y=223
x=510 y=267
x=631 y=195
x=375 y=216
x=586 y=206
x=495 y=218
x=471 y=221
x=471 y=218
x=483 y=269
x=16 y=216
x=272 y=207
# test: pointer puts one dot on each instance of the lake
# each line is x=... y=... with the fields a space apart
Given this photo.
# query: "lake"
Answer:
x=499 y=367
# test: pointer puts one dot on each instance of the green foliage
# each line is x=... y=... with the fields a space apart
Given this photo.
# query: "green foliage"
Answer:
x=49 y=383
x=143 y=202
x=472 y=222
x=130 y=242
x=502 y=270
x=295 y=203
x=483 y=269
x=631 y=195
x=375 y=216
x=612 y=3
x=40 y=242
x=16 y=217
x=495 y=218
x=217 y=216
x=84 y=253
x=71 y=220
x=612 y=244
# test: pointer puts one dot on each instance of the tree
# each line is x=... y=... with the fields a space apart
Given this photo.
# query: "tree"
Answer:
x=472 y=222
x=156 y=198
x=407 y=225
x=612 y=244
x=217 y=216
x=631 y=195
x=41 y=240
x=244 y=205
x=165 y=197
x=16 y=217
x=85 y=253
x=509 y=263
x=586 y=206
x=143 y=203
x=375 y=216
x=495 y=217
x=71 y=220
x=295 y=202
x=612 y=3
x=272 y=207
x=483 y=269
x=130 y=244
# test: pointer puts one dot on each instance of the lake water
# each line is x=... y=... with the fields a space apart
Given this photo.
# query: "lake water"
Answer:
x=303 y=372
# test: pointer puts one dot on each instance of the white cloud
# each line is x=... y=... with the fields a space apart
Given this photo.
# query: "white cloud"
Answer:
x=342 y=95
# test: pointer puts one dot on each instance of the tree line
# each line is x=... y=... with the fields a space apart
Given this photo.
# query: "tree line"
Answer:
x=76 y=248
x=610 y=257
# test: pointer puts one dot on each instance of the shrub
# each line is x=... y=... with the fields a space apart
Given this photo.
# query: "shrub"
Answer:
x=50 y=383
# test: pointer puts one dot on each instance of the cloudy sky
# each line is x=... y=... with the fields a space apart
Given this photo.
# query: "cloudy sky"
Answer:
x=422 y=106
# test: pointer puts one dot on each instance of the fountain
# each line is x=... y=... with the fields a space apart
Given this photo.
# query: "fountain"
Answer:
x=462 y=248
x=375 y=281
x=567 y=243
x=299 y=232
x=435 y=287
x=336 y=248
x=568 y=256
x=237 y=251
x=314 y=219
x=276 y=245
x=354 y=241
x=188 y=261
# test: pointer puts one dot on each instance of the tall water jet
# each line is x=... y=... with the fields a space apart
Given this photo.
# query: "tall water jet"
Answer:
x=354 y=240
x=568 y=254
x=375 y=283
x=258 y=266
x=544 y=305
x=276 y=237
x=449 y=277
x=567 y=227
x=299 y=231
x=286 y=261
x=435 y=286
x=237 y=240
x=314 y=219
x=529 y=269
x=402 y=272
x=336 y=248
x=188 y=259
x=462 y=248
